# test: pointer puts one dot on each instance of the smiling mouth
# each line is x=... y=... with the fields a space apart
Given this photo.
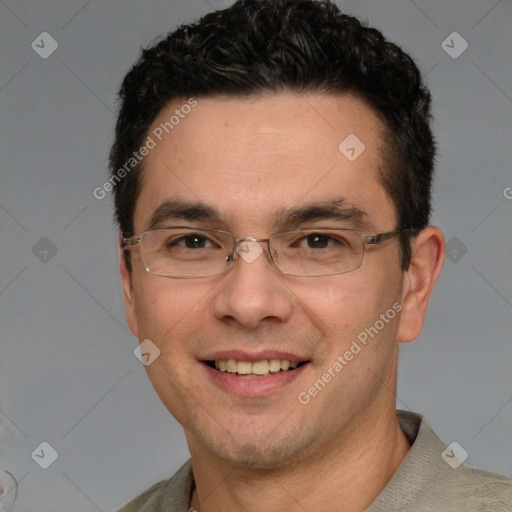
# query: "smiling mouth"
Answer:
x=247 y=369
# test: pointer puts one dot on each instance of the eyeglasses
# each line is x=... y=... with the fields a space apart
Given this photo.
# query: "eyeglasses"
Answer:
x=186 y=252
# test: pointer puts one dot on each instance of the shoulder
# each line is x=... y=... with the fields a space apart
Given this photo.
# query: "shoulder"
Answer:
x=498 y=490
x=171 y=495
x=432 y=477
x=466 y=489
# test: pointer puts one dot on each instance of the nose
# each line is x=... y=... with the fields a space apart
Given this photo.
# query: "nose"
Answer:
x=253 y=291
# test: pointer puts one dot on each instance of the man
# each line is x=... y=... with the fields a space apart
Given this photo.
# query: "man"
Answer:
x=272 y=169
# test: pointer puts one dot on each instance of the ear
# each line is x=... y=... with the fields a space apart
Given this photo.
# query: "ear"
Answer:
x=428 y=252
x=128 y=292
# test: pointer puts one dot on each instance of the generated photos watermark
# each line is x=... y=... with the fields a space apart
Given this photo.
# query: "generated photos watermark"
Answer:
x=357 y=345
x=150 y=143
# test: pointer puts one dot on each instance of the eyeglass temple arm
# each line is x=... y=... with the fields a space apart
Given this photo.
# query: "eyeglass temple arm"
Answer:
x=130 y=242
x=377 y=239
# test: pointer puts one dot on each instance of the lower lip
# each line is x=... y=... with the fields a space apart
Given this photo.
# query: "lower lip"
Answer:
x=253 y=386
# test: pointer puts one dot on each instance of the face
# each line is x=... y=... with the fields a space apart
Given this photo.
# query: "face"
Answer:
x=251 y=161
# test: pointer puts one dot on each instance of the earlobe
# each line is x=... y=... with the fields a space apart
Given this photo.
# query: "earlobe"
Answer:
x=428 y=252
x=128 y=295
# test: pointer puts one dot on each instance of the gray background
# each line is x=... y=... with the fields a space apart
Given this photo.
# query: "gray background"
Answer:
x=68 y=373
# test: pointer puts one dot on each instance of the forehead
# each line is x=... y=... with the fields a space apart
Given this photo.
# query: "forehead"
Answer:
x=253 y=157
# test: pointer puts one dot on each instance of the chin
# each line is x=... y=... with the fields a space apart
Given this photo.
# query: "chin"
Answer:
x=260 y=452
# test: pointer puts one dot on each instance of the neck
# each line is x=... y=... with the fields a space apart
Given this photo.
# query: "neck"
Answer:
x=346 y=477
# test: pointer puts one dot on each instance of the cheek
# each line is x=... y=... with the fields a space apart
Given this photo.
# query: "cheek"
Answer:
x=167 y=310
x=168 y=314
x=333 y=306
x=345 y=305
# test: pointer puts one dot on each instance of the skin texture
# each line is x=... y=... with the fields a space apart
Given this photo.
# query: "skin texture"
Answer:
x=250 y=158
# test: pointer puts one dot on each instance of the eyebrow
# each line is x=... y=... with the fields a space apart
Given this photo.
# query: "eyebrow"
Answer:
x=175 y=209
x=337 y=210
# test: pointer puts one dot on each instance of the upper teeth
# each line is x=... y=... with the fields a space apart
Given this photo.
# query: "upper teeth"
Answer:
x=258 y=368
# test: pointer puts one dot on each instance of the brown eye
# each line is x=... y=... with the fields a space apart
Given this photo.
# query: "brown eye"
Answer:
x=195 y=242
x=318 y=241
